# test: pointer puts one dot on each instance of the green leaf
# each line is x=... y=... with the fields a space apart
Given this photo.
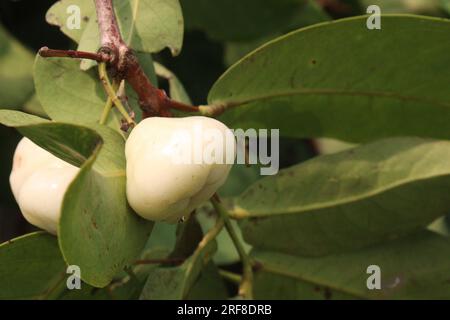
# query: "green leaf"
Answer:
x=69 y=94
x=349 y=200
x=59 y=14
x=71 y=143
x=112 y=234
x=66 y=92
x=237 y=20
x=30 y=267
x=95 y=212
x=16 y=65
x=341 y=80
x=411 y=268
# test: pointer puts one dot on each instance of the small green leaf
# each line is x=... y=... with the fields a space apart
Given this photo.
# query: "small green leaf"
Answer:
x=69 y=94
x=16 y=66
x=60 y=14
x=66 y=92
x=411 y=268
x=341 y=80
x=349 y=200
x=31 y=267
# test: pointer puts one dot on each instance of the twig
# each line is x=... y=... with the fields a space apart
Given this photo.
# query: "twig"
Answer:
x=246 y=286
x=52 y=53
x=153 y=101
x=112 y=94
x=124 y=64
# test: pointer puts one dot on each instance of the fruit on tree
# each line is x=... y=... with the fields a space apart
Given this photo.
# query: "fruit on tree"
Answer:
x=168 y=175
x=39 y=181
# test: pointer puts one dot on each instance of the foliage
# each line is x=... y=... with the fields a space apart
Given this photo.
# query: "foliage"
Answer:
x=309 y=232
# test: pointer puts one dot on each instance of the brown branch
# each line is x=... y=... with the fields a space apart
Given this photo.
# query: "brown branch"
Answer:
x=123 y=64
x=51 y=53
x=107 y=23
x=153 y=101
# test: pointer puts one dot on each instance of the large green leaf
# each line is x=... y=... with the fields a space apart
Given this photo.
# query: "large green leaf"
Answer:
x=414 y=267
x=31 y=266
x=16 y=65
x=112 y=234
x=349 y=200
x=234 y=20
x=95 y=212
x=342 y=80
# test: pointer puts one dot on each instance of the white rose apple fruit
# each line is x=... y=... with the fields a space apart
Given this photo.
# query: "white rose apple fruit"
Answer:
x=169 y=172
x=39 y=181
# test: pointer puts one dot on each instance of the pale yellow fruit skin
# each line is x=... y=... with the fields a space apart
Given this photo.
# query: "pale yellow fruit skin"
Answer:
x=39 y=181
x=158 y=189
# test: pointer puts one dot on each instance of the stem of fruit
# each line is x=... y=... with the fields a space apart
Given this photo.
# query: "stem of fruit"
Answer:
x=112 y=94
x=246 y=286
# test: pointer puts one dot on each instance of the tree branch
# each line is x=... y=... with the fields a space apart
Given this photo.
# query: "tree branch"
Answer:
x=153 y=101
x=123 y=64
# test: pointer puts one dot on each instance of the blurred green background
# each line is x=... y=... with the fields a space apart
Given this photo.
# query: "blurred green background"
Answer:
x=214 y=40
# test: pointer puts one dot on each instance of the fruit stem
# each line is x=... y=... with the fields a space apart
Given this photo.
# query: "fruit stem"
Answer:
x=112 y=94
x=246 y=285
